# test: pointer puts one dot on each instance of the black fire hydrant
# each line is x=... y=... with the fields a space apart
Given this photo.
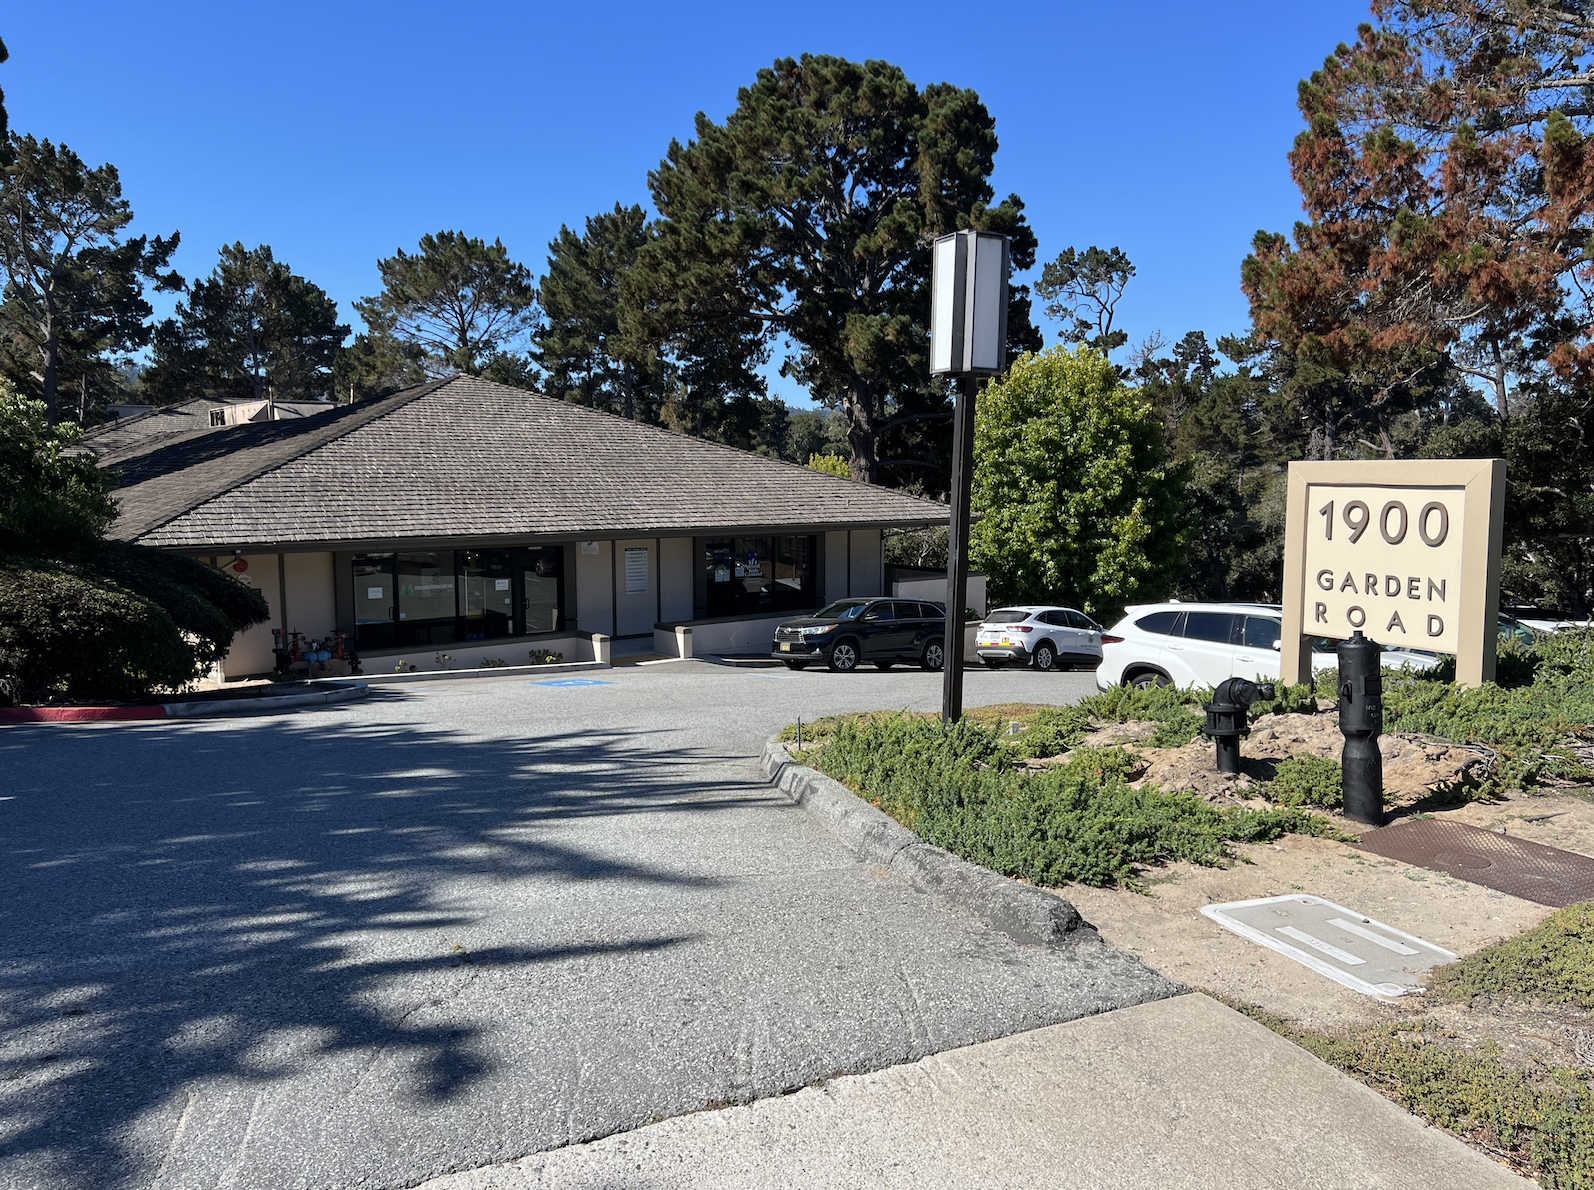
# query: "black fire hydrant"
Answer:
x=1361 y=719
x=1228 y=721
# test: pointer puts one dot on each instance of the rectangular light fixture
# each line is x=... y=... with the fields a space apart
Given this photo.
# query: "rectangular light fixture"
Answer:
x=968 y=303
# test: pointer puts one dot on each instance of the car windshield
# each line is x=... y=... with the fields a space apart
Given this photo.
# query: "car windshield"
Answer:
x=842 y=609
x=1008 y=615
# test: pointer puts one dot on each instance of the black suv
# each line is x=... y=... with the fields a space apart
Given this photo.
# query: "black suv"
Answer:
x=883 y=631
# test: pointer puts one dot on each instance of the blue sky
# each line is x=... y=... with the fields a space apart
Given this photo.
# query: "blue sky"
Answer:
x=339 y=132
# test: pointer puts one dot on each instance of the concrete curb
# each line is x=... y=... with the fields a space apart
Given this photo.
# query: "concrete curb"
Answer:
x=207 y=709
x=1024 y=913
x=262 y=706
x=495 y=671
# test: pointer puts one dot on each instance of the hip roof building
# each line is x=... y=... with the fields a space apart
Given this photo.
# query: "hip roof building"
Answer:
x=481 y=520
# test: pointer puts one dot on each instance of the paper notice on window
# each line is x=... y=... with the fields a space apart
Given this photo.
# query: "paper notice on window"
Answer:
x=636 y=570
x=500 y=584
x=373 y=592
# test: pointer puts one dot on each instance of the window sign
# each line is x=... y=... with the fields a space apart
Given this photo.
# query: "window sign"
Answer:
x=500 y=584
x=636 y=570
x=374 y=593
x=1407 y=553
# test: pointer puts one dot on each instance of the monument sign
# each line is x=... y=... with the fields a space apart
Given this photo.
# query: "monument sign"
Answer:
x=1407 y=552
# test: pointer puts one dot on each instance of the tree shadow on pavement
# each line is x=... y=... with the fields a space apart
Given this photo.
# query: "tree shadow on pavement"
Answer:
x=189 y=902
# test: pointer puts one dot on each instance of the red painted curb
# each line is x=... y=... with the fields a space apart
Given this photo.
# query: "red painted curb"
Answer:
x=78 y=714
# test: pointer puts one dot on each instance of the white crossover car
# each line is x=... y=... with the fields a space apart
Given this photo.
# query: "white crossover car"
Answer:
x=1201 y=644
x=1045 y=637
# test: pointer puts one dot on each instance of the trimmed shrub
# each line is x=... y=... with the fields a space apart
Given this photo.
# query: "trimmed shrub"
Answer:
x=1308 y=780
x=65 y=629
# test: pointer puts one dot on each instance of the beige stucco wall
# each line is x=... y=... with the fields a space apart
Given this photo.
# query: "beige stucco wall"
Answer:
x=311 y=607
x=675 y=573
x=312 y=601
x=593 y=600
x=835 y=567
x=251 y=649
x=868 y=563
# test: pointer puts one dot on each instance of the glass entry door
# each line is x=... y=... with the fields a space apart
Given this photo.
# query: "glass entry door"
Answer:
x=374 y=603
x=541 y=588
x=486 y=595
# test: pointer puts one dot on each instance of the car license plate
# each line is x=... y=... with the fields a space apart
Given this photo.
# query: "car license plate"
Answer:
x=785 y=647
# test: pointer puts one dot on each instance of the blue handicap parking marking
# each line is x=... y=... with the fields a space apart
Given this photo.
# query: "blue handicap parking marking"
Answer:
x=571 y=682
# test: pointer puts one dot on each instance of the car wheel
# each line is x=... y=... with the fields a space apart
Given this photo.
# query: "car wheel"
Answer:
x=884 y=664
x=844 y=657
x=1045 y=657
x=795 y=664
x=934 y=656
x=1145 y=681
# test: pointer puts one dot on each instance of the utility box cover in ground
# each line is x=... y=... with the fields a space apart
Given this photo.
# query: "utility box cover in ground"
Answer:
x=1405 y=552
x=1348 y=947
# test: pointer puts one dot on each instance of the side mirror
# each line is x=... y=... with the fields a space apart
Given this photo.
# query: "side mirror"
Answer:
x=1277 y=646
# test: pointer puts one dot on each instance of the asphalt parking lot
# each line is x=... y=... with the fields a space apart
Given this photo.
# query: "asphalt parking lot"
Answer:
x=460 y=922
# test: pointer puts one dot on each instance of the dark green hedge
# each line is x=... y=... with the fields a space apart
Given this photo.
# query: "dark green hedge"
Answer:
x=122 y=624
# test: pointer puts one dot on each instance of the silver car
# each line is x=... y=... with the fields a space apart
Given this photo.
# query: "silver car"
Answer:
x=1042 y=636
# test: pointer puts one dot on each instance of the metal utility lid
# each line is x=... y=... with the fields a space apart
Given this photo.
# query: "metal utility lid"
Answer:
x=1533 y=871
x=1350 y=948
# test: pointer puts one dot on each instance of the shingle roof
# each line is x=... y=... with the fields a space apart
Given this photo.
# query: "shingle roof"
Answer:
x=128 y=436
x=465 y=458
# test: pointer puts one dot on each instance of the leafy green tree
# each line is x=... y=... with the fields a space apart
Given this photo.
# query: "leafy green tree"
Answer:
x=83 y=617
x=252 y=329
x=829 y=464
x=590 y=354
x=815 y=431
x=52 y=496
x=461 y=300
x=1082 y=291
x=1075 y=498
x=74 y=288
x=808 y=214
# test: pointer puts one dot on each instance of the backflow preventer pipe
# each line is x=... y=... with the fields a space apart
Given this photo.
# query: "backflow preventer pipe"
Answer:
x=1228 y=718
x=1361 y=720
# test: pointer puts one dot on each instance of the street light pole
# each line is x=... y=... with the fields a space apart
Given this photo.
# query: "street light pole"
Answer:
x=957 y=550
x=968 y=340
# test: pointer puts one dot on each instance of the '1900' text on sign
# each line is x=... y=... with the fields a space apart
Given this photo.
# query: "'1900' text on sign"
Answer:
x=1386 y=560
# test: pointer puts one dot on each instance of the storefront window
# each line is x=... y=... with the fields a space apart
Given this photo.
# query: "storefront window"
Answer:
x=407 y=599
x=426 y=598
x=486 y=594
x=758 y=574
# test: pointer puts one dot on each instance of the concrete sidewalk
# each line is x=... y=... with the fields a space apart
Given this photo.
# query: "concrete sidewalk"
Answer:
x=1180 y=1093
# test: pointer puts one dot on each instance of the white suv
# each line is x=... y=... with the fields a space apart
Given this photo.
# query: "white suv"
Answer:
x=1201 y=644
